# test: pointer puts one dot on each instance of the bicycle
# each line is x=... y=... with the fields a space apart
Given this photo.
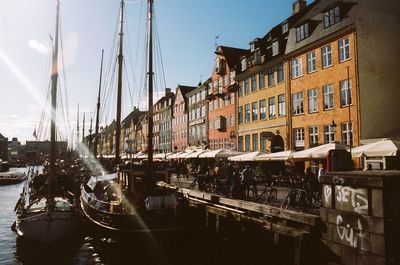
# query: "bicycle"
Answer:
x=299 y=194
x=269 y=194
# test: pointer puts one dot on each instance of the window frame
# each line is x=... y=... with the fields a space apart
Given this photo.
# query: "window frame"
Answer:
x=297 y=67
x=263 y=109
x=311 y=62
x=328 y=97
x=312 y=97
x=297 y=100
x=271 y=108
x=346 y=93
x=281 y=105
x=344 y=50
x=326 y=56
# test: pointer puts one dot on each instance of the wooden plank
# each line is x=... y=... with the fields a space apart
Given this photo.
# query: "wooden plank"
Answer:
x=304 y=218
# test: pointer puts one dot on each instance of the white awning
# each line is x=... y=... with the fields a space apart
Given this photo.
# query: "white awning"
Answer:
x=318 y=152
x=385 y=147
x=247 y=156
x=220 y=153
x=278 y=156
x=196 y=153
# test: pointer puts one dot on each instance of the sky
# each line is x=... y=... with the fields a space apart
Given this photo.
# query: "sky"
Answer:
x=186 y=39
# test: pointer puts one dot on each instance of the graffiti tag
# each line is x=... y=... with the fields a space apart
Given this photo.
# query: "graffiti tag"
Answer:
x=352 y=235
x=356 y=197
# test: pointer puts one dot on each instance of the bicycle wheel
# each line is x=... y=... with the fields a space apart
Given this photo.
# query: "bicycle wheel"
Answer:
x=286 y=202
x=273 y=196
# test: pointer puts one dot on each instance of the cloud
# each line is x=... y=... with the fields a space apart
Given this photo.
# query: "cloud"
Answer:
x=34 y=44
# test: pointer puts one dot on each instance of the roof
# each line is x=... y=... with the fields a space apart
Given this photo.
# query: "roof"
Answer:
x=3 y=138
x=134 y=116
x=314 y=15
x=232 y=55
x=185 y=89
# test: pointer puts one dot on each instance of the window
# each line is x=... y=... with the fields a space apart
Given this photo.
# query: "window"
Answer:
x=331 y=17
x=275 y=48
x=285 y=28
x=255 y=142
x=232 y=120
x=299 y=138
x=271 y=76
x=298 y=105
x=261 y=79
x=328 y=97
x=240 y=89
x=215 y=104
x=281 y=105
x=311 y=62
x=312 y=100
x=246 y=86
x=271 y=107
x=344 y=49
x=263 y=142
x=347 y=133
x=247 y=113
x=326 y=56
x=232 y=77
x=253 y=83
x=243 y=63
x=313 y=132
x=232 y=98
x=254 y=111
x=302 y=32
x=297 y=67
x=240 y=143
x=240 y=114
x=329 y=134
x=345 y=93
x=281 y=75
x=263 y=110
x=247 y=143
x=210 y=106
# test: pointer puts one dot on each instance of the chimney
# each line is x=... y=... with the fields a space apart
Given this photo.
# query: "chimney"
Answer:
x=167 y=91
x=298 y=5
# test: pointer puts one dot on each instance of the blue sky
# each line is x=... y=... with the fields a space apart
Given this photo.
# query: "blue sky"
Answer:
x=186 y=30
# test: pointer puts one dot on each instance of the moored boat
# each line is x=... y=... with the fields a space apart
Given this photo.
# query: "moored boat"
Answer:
x=45 y=212
x=136 y=198
x=7 y=178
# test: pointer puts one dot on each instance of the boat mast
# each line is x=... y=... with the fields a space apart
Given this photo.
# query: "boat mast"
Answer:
x=150 y=84
x=77 y=128
x=54 y=79
x=96 y=130
x=83 y=129
x=119 y=94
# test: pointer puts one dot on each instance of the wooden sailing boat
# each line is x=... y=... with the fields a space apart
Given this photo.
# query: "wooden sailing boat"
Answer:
x=47 y=217
x=130 y=200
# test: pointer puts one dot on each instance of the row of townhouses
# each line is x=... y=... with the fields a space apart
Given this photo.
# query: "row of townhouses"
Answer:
x=328 y=73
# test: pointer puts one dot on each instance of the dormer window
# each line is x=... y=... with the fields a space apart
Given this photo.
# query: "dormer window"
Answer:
x=219 y=66
x=257 y=56
x=275 y=48
x=252 y=46
x=285 y=28
x=244 y=63
x=302 y=32
x=331 y=17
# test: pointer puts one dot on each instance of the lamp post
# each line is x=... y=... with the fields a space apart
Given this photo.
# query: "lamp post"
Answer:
x=333 y=126
x=350 y=125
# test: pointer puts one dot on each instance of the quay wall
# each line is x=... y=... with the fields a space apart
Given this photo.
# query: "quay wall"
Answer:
x=361 y=217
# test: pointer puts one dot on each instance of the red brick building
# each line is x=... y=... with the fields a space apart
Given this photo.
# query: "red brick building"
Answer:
x=222 y=98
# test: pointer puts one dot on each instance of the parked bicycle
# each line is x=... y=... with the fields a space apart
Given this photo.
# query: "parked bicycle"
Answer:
x=269 y=194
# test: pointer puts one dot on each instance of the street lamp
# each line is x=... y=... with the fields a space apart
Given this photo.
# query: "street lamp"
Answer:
x=333 y=127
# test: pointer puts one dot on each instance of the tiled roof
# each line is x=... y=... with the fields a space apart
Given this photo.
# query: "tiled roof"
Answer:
x=232 y=55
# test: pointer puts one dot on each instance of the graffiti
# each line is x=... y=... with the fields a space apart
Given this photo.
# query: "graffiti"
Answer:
x=353 y=234
x=357 y=198
x=337 y=180
x=327 y=193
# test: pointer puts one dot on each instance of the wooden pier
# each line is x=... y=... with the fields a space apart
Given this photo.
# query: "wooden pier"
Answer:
x=358 y=222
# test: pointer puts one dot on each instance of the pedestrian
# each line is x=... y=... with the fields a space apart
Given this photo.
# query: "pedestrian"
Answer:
x=321 y=171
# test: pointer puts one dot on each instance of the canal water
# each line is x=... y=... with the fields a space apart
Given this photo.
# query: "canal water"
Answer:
x=194 y=246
